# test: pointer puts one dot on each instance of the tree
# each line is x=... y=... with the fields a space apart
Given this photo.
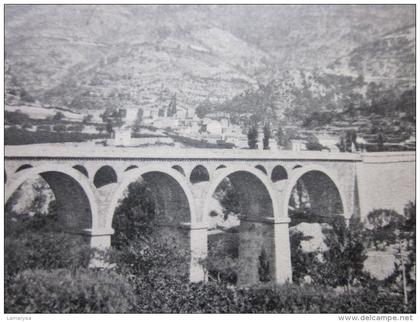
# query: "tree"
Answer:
x=44 y=127
x=76 y=128
x=26 y=125
x=408 y=235
x=172 y=106
x=253 y=138
x=263 y=267
x=113 y=118
x=109 y=127
x=58 y=116
x=59 y=128
x=221 y=262
x=348 y=141
x=380 y=141
x=100 y=129
x=344 y=260
x=17 y=117
x=342 y=145
x=25 y=96
x=280 y=137
x=313 y=144
x=138 y=120
x=87 y=118
x=353 y=135
x=266 y=138
x=134 y=218
x=383 y=225
x=228 y=197
x=388 y=228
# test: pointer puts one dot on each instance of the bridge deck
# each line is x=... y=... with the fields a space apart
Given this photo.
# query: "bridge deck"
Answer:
x=45 y=151
x=75 y=151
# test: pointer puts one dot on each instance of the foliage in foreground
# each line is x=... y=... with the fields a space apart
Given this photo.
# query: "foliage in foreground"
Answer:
x=109 y=292
x=63 y=291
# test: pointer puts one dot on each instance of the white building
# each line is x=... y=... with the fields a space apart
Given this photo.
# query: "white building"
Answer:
x=329 y=141
x=165 y=122
x=122 y=136
x=298 y=145
x=215 y=128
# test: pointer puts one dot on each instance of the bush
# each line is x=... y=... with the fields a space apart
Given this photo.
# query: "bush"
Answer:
x=49 y=250
x=61 y=291
x=152 y=260
x=17 y=117
x=171 y=295
x=59 y=128
x=38 y=242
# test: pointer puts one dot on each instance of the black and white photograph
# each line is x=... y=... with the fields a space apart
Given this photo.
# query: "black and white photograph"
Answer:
x=209 y=158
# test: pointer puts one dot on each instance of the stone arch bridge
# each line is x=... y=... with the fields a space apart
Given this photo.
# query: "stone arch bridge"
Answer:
x=88 y=185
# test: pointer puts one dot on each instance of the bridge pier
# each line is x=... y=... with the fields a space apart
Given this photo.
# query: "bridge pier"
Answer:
x=198 y=240
x=100 y=238
x=100 y=242
x=256 y=235
x=283 y=261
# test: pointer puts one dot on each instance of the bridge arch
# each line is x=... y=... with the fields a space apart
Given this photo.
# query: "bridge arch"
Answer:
x=23 y=167
x=251 y=232
x=72 y=191
x=131 y=167
x=105 y=175
x=163 y=171
x=278 y=173
x=179 y=169
x=172 y=213
x=247 y=170
x=82 y=169
x=199 y=174
x=261 y=168
x=321 y=183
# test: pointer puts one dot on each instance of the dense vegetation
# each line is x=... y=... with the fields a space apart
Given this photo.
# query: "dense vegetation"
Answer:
x=15 y=136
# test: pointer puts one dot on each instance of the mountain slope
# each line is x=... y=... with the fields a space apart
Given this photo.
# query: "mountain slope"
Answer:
x=390 y=57
x=98 y=56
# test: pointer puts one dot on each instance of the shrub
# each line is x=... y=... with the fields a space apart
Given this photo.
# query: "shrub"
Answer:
x=59 y=128
x=26 y=97
x=172 y=295
x=48 y=250
x=75 y=128
x=151 y=259
x=37 y=242
x=46 y=128
x=62 y=291
x=58 y=116
x=17 y=117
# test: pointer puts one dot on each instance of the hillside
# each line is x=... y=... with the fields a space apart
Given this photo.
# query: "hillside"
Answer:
x=389 y=59
x=122 y=63
x=278 y=62
x=193 y=66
